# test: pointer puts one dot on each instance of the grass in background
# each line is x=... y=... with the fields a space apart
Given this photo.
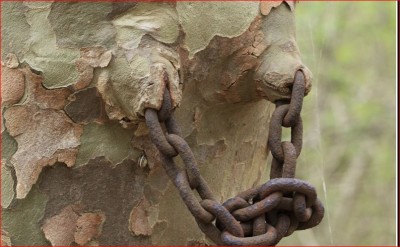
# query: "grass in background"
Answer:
x=349 y=120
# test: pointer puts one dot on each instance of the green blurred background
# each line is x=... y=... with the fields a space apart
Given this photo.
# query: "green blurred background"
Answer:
x=350 y=120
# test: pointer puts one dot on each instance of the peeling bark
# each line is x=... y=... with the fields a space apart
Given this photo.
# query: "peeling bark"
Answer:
x=72 y=226
x=138 y=220
x=38 y=95
x=88 y=227
x=266 y=6
x=77 y=78
x=86 y=106
x=7 y=185
x=107 y=140
x=91 y=57
x=22 y=220
x=97 y=188
x=12 y=86
x=59 y=229
x=35 y=131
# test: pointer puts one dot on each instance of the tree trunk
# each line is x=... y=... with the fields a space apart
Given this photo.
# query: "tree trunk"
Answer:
x=78 y=166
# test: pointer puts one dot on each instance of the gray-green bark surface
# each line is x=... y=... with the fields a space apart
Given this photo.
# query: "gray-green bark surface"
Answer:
x=74 y=132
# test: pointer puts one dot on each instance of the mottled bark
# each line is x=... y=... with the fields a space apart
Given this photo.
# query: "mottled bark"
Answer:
x=78 y=166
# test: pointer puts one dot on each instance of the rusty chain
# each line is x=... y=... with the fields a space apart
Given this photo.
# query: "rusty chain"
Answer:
x=258 y=216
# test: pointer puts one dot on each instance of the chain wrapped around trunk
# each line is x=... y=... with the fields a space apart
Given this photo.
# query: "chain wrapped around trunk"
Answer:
x=257 y=216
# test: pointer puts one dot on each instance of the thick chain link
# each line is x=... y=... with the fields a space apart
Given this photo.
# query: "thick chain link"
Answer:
x=258 y=216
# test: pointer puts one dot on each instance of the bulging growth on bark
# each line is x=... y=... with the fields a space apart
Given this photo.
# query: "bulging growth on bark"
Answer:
x=78 y=166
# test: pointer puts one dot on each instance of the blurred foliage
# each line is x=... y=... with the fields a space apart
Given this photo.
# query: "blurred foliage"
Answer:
x=350 y=120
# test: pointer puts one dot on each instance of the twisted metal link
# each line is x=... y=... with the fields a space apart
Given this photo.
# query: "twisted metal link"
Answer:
x=258 y=216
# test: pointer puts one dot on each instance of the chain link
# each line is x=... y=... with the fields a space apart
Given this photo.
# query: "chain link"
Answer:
x=257 y=216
